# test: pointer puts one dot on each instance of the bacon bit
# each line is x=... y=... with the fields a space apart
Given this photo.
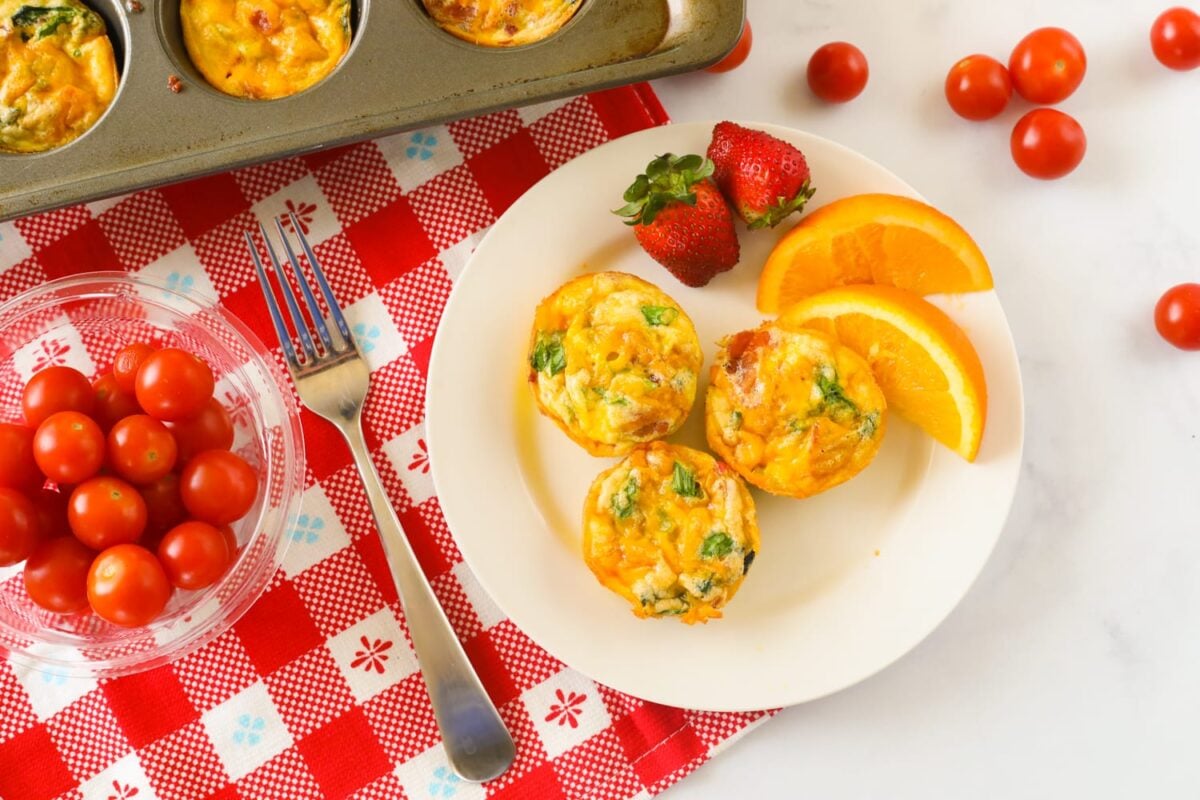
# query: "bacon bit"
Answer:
x=174 y=84
x=740 y=347
x=260 y=20
x=511 y=29
x=134 y=6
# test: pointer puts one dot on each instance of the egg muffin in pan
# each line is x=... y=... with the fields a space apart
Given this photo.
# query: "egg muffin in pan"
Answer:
x=265 y=49
x=613 y=361
x=501 y=23
x=792 y=410
x=58 y=73
x=671 y=530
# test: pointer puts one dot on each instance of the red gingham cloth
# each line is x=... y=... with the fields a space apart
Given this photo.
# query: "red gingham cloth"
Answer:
x=315 y=693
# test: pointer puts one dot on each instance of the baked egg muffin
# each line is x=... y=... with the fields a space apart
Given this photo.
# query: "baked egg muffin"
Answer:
x=265 y=49
x=613 y=361
x=501 y=23
x=671 y=530
x=58 y=73
x=792 y=410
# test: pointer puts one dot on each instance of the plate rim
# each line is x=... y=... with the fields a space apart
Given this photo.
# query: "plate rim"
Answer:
x=438 y=476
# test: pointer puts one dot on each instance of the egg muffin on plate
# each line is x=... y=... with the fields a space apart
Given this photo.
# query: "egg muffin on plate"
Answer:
x=501 y=23
x=613 y=361
x=671 y=530
x=58 y=73
x=792 y=410
x=265 y=49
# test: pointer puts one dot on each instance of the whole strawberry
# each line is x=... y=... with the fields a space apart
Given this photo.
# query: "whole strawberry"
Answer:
x=680 y=218
x=765 y=179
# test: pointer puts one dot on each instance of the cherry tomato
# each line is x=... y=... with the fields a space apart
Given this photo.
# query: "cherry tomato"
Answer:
x=210 y=429
x=173 y=384
x=68 y=447
x=113 y=403
x=51 y=509
x=837 y=72
x=194 y=555
x=218 y=487
x=1047 y=143
x=18 y=470
x=105 y=511
x=738 y=54
x=128 y=362
x=56 y=389
x=56 y=574
x=1175 y=38
x=141 y=449
x=978 y=87
x=127 y=586
x=164 y=506
x=1047 y=65
x=1177 y=316
x=18 y=527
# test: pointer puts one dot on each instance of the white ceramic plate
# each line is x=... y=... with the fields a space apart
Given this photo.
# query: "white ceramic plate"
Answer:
x=846 y=582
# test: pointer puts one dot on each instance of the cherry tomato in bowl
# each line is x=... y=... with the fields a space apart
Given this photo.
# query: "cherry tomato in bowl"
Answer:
x=978 y=87
x=55 y=389
x=1175 y=39
x=127 y=363
x=141 y=449
x=218 y=487
x=173 y=384
x=56 y=573
x=106 y=511
x=18 y=470
x=113 y=403
x=1048 y=144
x=210 y=429
x=1047 y=66
x=18 y=527
x=837 y=72
x=126 y=585
x=738 y=54
x=194 y=554
x=68 y=447
x=1177 y=316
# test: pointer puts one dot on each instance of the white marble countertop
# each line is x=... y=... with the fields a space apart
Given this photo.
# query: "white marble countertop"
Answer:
x=1071 y=668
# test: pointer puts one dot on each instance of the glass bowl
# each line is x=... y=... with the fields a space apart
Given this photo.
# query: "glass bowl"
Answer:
x=82 y=321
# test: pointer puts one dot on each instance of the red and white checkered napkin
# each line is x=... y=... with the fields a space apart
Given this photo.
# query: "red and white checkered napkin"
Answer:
x=316 y=692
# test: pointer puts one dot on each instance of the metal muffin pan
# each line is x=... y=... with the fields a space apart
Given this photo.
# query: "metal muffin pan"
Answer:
x=402 y=72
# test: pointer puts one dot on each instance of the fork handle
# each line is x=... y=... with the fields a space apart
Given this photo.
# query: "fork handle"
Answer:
x=477 y=744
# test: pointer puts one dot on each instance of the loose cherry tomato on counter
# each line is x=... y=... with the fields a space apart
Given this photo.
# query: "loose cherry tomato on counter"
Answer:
x=141 y=449
x=68 y=447
x=210 y=429
x=127 y=586
x=1175 y=38
x=105 y=511
x=173 y=384
x=113 y=403
x=164 y=506
x=18 y=470
x=55 y=389
x=218 y=487
x=127 y=363
x=837 y=72
x=1048 y=144
x=194 y=555
x=51 y=509
x=56 y=574
x=1047 y=66
x=978 y=87
x=738 y=54
x=1177 y=316
x=18 y=527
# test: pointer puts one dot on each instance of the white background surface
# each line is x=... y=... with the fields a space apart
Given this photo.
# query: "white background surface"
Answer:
x=1072 y=669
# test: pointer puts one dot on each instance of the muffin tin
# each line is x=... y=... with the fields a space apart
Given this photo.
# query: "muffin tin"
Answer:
x=402 y=72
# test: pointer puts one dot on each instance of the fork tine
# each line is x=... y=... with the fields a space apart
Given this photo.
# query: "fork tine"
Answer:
x=310 y=300
x=335 y=310
x=281 y=332
x=306 y=342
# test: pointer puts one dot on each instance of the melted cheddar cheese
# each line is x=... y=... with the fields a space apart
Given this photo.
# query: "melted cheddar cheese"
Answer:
x=58 y=74
x=501 y=23
x=672 y=531
x=793 y=410
x=613 y=361
x=265 y=49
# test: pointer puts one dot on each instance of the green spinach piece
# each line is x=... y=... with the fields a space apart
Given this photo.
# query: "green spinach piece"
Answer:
x=716 y=544
x=659 y=315
x=624 y=500
x=548 y=354
x=683 y=481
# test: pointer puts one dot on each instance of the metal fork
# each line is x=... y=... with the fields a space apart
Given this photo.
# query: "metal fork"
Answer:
x=331 y=378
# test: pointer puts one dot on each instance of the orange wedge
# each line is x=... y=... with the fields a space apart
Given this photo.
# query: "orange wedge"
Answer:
x=925 y=364
x=872 y=238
